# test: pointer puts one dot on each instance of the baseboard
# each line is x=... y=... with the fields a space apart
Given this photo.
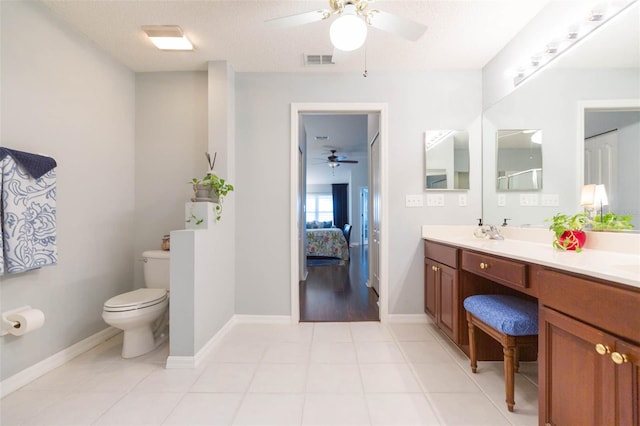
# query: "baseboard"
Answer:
x=408 y=318
x=176 y=362
x=194 y=361
x=29 y=374
x=262 y=319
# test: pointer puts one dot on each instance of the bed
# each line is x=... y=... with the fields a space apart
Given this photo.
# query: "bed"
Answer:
x=327 y=242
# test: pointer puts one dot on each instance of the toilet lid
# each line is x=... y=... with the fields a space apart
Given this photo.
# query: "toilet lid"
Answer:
x=137 y=299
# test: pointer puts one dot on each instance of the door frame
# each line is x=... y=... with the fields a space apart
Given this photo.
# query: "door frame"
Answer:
x=336 y=108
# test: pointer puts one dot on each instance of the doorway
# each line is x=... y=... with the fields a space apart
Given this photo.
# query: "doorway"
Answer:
x=298 y=224
x=607 y=146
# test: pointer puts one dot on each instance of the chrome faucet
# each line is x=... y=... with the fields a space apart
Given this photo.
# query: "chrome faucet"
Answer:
x=493 y=232
x=490 y=231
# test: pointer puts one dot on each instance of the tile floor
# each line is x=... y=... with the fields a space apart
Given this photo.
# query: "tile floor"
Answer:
x=306 y=374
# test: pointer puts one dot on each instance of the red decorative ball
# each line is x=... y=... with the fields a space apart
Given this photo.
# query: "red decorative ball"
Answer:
x=572 y=240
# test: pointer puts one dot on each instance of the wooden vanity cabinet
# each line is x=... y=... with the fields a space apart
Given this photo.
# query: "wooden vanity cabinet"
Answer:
x=589 y=336
x=441 y=293
x=589 y=352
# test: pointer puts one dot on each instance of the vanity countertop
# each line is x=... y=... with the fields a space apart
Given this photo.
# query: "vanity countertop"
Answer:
x=533 y=245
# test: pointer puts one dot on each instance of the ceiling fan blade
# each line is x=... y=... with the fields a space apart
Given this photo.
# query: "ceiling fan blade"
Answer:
x=298 y=19
x=347 y=161
x=394 y=24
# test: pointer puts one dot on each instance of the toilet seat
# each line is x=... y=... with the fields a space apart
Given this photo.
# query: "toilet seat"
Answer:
x=134 y=300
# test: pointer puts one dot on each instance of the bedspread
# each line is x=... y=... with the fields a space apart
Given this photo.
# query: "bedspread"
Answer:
x=327 y=242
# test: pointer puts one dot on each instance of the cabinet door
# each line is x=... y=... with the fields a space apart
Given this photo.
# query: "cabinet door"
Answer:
x=448 y=298
x=628 y=377
x=578 y=384
x=430 y=285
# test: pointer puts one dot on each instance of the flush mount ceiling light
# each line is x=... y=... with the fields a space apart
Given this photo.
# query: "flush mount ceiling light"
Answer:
x=575 y=33
x=349 y=31
x=167 y=37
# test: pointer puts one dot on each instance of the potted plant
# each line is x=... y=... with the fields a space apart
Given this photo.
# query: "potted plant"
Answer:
x=211 y=187
x=612 y=222
x=569 y=230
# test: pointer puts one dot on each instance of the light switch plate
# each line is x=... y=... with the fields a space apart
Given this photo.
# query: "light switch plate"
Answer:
x=528 y=199
x=502 y=200
x=462 y=199
x=416 y=200
x=435 y=200
x=552 y=200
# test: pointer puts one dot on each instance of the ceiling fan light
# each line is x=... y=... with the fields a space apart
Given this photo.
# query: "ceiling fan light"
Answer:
x=333 y=164
x=348 y=32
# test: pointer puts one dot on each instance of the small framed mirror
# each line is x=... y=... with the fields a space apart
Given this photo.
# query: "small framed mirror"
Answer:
x=446 y=160
x=519 y=160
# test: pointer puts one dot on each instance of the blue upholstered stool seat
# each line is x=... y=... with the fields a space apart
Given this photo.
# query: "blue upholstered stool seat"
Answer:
x=508 y=314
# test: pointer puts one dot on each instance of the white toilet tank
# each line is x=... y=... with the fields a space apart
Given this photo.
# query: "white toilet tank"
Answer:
x=156 y=269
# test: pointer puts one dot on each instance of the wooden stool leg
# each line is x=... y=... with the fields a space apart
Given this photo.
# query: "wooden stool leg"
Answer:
x=508 y=375
x=516 y=359
x=472 y=345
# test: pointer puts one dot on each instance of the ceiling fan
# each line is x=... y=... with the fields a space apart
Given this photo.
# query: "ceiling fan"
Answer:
x=336 y=160
x=349 y=31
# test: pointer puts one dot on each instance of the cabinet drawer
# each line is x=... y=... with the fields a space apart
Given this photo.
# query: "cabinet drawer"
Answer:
x=503 y=271
x=606 y=306
x=444 y=254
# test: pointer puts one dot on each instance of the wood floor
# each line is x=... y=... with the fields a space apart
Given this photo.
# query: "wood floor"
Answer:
x=339 y=293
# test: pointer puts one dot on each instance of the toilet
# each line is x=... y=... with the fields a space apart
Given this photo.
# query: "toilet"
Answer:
x=142 y=314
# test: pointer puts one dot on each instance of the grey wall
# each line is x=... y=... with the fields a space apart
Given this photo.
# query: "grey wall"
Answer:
x=171 y=139
x=62 y=97
x=417 y=101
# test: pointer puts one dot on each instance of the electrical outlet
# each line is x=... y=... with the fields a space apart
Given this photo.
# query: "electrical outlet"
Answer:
x=435 y=200
x=552 y=200
x=502 y=200
x=462 y=199
x=414 y=200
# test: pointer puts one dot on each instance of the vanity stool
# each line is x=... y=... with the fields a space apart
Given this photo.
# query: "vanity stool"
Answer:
x=511 y=321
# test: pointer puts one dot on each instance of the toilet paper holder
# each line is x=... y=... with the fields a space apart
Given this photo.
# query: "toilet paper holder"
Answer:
x=8 y=324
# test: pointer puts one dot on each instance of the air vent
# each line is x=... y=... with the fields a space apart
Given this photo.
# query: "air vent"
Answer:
x=310 y=60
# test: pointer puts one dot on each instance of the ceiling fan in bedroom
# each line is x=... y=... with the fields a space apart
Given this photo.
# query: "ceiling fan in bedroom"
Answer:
x=336 y=160
x=349 y=30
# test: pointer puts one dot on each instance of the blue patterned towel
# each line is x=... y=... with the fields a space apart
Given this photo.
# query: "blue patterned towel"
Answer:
x=36 y=165
x=27 y=211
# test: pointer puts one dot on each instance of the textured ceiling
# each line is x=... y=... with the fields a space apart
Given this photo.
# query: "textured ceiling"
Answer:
x=460 y=35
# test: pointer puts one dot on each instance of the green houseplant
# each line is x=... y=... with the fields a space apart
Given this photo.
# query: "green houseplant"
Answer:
x=569 y=230
x=612 y=222
x=211 y=187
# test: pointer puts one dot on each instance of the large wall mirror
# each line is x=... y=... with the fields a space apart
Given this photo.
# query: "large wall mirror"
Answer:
x=446 y=160
x=519 y=160
x=600 y=75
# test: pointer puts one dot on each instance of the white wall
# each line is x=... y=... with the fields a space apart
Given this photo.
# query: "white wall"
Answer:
x=171 y=139
x=64 y=98
x=417 y=101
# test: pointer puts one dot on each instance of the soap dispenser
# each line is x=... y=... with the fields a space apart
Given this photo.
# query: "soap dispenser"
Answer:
x=479 y=231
